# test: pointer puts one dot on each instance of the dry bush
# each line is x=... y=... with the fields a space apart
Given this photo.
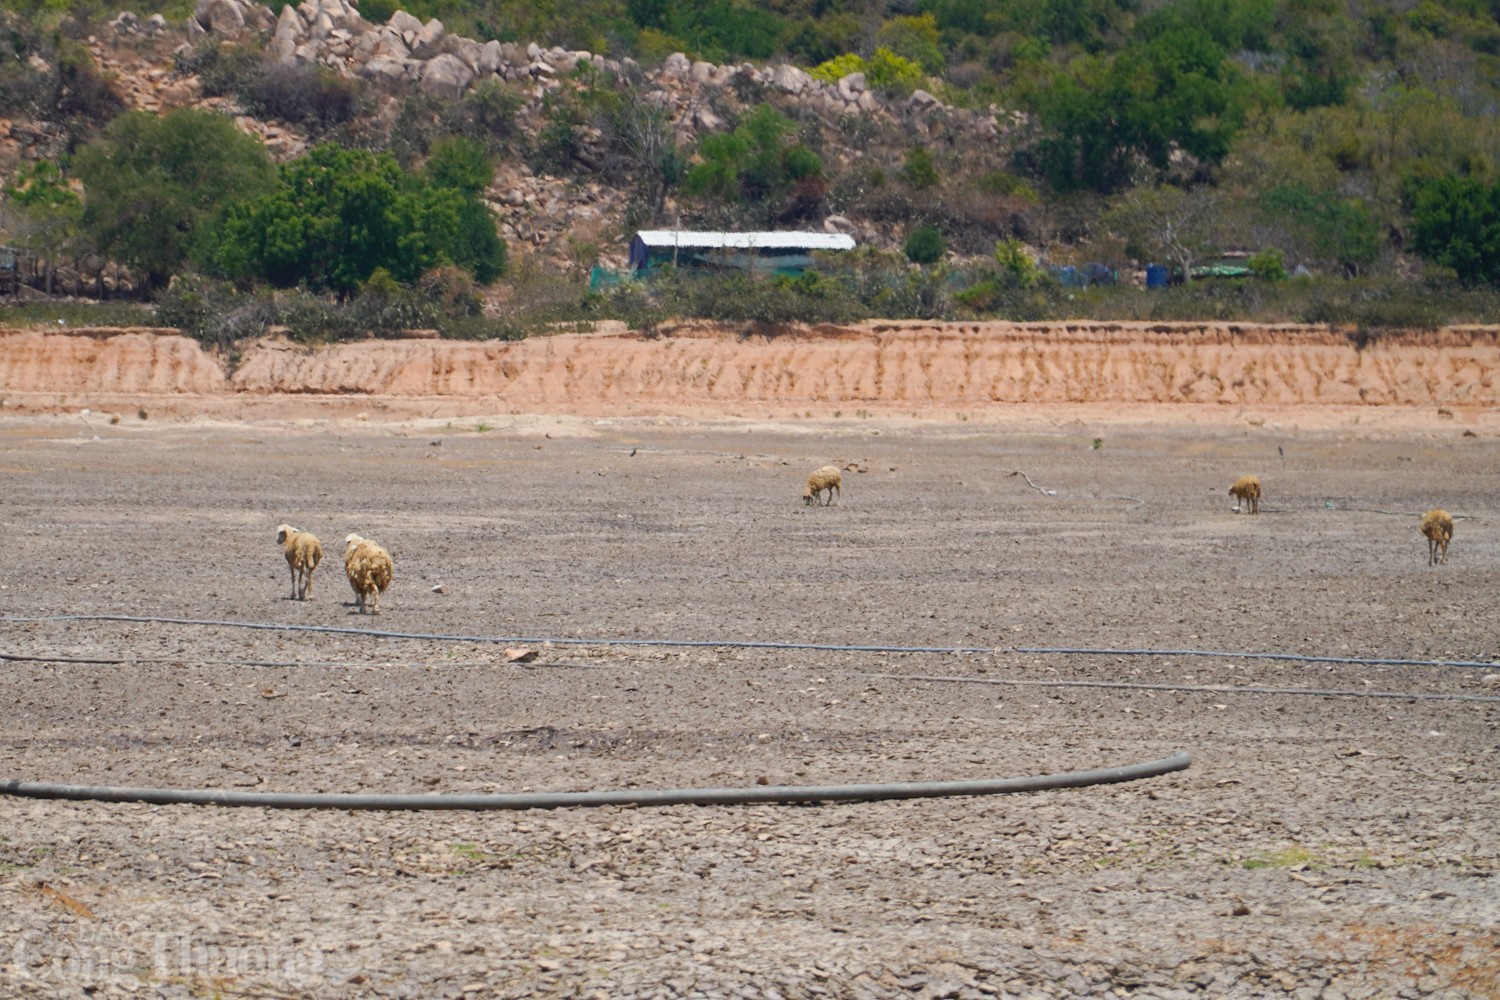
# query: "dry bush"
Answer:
x=311 y=96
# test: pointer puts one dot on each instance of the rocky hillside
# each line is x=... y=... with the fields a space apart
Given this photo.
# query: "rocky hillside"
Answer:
x=543 y=215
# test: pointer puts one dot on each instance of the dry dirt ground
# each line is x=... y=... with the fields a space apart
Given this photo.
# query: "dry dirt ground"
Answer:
x=1337 y=834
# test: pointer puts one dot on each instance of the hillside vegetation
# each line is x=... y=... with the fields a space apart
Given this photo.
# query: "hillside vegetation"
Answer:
x=993 y=160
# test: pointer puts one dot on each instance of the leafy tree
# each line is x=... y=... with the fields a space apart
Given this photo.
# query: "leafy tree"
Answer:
x=47 y=213
x=925 y=245
x=816 y=40
x=1323 y=227
x=717 y=30
x=1317 y=42
x=1104 y=119
x=1456 y=224
x=914 y=39
x=1087 y=24
x=461 y=165
x=155 y=187
x=640 y=142
x=757 y=162
x=1170 y=223
x=1233 y=24
x=957 y=18
x=340 y=214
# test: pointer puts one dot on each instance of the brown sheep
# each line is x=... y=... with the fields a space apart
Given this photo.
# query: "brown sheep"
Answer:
x=827 y=478
x=1246 y=489
x=370 y=570
x=303 y=553
x=1437 y=525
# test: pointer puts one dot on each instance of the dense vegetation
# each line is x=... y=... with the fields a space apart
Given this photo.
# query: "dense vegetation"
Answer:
x=1346 y=151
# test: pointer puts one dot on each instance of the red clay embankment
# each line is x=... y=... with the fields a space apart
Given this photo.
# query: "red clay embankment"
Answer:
x=702 y=370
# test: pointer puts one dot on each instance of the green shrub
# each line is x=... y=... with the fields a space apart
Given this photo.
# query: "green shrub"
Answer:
x=1003 y=183
x=806 y=298
x=982 y=297
x=82 y=93
x=212 y=312
x=1016 y=263
x=560 y=139
x=452 y=291
x=925 y=245
x=1456 y=223
x=1268 y=265
x=837 y=68
x=759 y=164
x=889 y=72
x=487 y=113
x=378 y=11
x=919 y=170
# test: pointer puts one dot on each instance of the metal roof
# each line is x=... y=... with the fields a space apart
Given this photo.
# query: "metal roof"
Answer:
x=745 y=241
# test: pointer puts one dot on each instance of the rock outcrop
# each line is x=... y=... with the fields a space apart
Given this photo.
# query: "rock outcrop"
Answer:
x=536 y=213
x=332 y=33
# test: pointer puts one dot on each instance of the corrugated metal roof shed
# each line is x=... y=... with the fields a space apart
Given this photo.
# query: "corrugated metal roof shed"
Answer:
x=780 y=252
x=744 y=241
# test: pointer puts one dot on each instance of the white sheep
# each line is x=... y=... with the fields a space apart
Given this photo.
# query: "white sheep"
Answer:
x=1246 y=489
x=303 y=553
x=1437 y=525
x=827 y=478
x=370 y=571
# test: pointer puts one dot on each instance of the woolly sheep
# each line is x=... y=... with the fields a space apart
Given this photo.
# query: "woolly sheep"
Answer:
x=1437 y=525
x=1246 y=489
x=827 y=478
x=303 y=553
x=370 y=569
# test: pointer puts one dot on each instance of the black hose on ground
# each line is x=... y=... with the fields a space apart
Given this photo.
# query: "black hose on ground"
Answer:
x=1193 y=688
x=747 y=644
x=630 y=797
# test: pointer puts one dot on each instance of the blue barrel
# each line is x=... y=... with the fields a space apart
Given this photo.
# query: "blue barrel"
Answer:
x=1156 y=276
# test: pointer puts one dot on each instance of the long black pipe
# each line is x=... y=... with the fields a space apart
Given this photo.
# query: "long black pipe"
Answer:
x=633 y=797
x=749 y=644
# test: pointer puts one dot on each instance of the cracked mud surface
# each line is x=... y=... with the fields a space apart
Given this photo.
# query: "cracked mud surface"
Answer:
x=1342 y=844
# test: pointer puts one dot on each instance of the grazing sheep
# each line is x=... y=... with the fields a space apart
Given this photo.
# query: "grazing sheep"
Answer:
x=303 y=553
x=1437 y=525
x=370 y=569
x=827 y=478
x=1246 y=489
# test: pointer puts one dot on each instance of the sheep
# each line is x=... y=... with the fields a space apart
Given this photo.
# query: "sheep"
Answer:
x=1437 y=525
x=827 y=478
x=370 y=569
x=303 y=553
x=1246 y=489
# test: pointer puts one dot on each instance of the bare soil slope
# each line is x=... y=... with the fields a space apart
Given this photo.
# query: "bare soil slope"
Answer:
x=947 y=370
